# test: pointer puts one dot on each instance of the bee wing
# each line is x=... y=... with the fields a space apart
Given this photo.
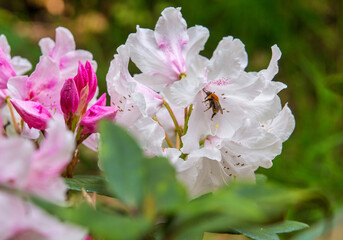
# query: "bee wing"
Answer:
x=218 y=107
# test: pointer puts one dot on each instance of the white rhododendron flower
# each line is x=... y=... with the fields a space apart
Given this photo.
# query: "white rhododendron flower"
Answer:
x=170 y=55
x=216 y=122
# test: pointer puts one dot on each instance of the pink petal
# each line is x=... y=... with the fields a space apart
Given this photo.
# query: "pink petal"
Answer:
x=45 y=84
x=86 y=77
x=64 y=43
x=14 y=164
x=6 y=69
x=49 y=161
x=33 y=113
x=95 y=113
x=5 y=46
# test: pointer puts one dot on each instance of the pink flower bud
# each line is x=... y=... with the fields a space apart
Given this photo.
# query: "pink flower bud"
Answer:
x=92 y=81
x=86 y=76
x=95 y=113
x=33 y=113
x=6 y=69
x=69 y=98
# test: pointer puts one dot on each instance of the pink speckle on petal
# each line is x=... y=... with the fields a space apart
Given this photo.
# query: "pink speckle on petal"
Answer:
x=221 y=82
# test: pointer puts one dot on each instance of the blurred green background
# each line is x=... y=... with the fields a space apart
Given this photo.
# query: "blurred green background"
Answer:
x=308 y=32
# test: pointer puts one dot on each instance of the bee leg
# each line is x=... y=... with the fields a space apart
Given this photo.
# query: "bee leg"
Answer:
x=208 y=108
x=211 y=106
x=213 y=116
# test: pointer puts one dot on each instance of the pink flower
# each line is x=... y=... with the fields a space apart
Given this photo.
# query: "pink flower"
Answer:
x=98 y=111
x=43 y=85
x=33 y=113
x=62 y=51
x=22 y=220
x=78 y=92
x=38 y=171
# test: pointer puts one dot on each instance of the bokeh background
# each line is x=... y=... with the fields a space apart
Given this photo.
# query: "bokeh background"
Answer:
x=308 y=32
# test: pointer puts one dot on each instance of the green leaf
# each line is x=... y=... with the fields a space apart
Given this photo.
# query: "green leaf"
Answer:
x=91 y=184
x=236 y=206
x=146 y=183
x=100 y=224
x=123 y=163
x=287 y=226
x=258 y=233
x=162 y=186
x=270 y=232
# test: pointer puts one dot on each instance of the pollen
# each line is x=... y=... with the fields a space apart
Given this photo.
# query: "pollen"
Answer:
x=217 y=125
x=182 y=75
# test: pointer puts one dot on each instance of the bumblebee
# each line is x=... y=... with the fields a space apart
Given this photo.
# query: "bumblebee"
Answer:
x=214 y=102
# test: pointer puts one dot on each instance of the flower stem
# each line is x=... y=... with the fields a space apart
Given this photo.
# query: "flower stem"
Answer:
x=187 y=118
x=70 y=168
x=12 y=115
x=177 y=127
x=170 y=144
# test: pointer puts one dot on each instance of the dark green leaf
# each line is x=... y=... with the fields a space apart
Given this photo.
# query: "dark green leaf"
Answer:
x=287 y=226
x=95 y=184
x=123 y=163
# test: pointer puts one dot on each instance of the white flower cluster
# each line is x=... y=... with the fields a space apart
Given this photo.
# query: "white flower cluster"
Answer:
x=212 y=119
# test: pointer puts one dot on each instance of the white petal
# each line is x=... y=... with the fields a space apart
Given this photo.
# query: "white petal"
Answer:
x=149 y=134
x=198 y=36
x=148 y=101
x=283 y=125
x=171 y=36
x=20 y=65
x=267 y=105
x=198 y=126
x=183 y=92
x=228 y=60
x=235 y=48
x=30 y=133
x=148 y=57
x=273 y=68
x=255 y=145
x=172 y=154
x=120 y=86
x=92 y=141
x=166 y=121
